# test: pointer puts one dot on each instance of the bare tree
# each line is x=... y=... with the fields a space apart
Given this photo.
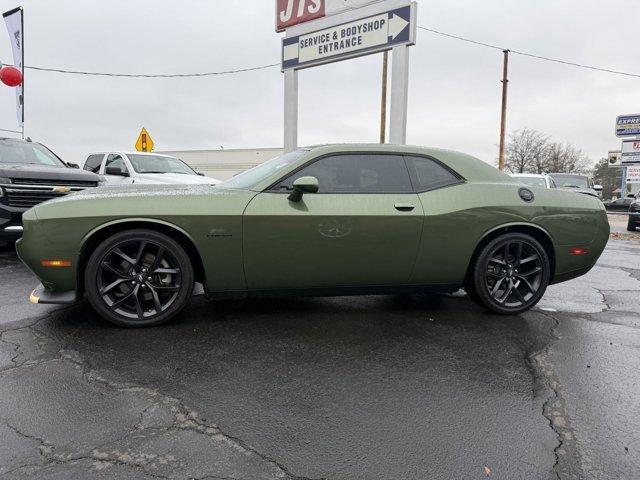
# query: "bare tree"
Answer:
x=529 y=151
x=526 y=151
x=565 y=158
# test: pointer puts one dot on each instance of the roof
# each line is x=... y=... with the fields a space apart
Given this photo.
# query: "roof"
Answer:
x=469 y=167
x=129 y=153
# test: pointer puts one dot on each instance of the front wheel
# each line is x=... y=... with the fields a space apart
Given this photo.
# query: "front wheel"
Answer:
x=511 y=274
x=631 y=225
x=139 y=278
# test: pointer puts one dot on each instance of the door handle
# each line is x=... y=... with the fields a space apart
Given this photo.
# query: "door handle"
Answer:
x=404 y=207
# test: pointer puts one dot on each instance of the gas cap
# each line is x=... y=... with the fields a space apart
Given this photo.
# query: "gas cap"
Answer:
x=526 y=195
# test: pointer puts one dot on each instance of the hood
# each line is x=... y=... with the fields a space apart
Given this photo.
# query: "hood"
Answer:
x=144 y=191
x=173 y=179
x=43 y=172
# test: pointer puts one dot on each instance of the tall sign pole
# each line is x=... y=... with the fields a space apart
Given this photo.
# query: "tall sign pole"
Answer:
x=290 y=110
x=399 y=95
x=328 y=31
x=383 y=108
x=503 y=118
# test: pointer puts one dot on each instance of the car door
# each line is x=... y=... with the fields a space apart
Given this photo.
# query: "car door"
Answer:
x=362 y=228
x=449 y=229
x=116 y=161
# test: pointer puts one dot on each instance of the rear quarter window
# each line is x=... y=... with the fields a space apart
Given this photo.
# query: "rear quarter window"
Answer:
x=428 y=174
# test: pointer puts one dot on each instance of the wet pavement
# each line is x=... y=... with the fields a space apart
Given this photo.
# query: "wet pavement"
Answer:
x=410 y=387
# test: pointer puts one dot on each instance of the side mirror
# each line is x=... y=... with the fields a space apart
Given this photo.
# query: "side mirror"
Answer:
x=201 y=174
x=304 y=185
x=72 y=165
x=115 y=171
x=597 y=188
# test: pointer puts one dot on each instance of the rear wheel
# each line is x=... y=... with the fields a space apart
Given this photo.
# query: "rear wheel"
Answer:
x=631 y=225
x=139 y=278
x=511 y=274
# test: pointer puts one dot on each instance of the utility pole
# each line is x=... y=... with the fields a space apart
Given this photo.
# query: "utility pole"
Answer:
x=383 y=109
x=503 y=120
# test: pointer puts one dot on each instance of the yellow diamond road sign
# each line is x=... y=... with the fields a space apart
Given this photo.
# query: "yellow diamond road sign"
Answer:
x=145 y=142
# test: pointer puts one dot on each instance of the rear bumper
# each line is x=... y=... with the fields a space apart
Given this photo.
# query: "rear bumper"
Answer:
x=47 y=297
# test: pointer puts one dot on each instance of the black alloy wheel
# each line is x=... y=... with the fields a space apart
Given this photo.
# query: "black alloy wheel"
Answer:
x=139 y=278
x=511 y=274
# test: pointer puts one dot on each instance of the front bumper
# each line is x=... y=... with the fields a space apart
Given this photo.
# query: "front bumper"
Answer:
x=11 y=232
x=10 y=222
x=47 y=297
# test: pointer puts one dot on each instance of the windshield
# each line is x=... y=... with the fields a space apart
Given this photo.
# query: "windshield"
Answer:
x=246 y=180
x=159 y=164
x=27 y=153
x=532 y=181
x=571 y=181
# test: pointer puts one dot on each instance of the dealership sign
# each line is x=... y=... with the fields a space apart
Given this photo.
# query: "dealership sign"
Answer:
x=633 y=174
x=295 y=12
x=628 y=125
x=359 y=37
x=631 y=152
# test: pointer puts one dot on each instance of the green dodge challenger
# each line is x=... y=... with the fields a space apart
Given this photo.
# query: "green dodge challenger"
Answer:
x=327 y=220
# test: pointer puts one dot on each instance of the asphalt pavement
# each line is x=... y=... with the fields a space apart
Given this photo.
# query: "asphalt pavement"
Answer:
x=401 y=387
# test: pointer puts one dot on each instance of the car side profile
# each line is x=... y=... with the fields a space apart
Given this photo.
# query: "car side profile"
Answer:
x=326 y=220
x=124 y=168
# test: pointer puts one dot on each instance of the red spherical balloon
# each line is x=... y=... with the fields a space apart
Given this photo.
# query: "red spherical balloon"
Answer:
x=10 y=76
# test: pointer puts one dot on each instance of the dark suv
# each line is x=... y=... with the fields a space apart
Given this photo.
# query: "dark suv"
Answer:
x=30 y=174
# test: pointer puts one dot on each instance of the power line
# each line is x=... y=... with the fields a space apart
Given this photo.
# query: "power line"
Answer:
x=271 y=65
x=531 y=55
x=160 y=75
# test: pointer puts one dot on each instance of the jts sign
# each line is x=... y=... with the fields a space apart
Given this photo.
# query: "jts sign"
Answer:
x=294 y=12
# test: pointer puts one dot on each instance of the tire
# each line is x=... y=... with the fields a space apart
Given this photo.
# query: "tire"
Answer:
x=139 y=278
x=631 y=226
x=513 y=286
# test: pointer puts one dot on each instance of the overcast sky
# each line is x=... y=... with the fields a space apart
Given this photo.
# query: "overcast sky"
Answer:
x=454 y=89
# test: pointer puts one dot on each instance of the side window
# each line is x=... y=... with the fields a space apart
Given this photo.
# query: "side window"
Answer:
x=553 y=184
x=115 y=161
x=93 y=163
x=428 y=174
x=358 y=173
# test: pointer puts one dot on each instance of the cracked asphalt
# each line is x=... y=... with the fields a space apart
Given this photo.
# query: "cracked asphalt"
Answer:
x=402 y=387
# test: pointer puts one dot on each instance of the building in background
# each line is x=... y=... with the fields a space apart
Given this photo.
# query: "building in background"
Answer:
x=224 y=164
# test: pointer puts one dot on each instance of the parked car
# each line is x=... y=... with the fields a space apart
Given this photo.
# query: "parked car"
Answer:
x=577 y=183
x=618 y=205
x=634 y=214
x=30 y=174
x=122 y=168
x=324 y=220
x=534 y=180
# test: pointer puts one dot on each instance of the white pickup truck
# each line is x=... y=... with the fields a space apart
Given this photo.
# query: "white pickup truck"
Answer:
x=122 y=168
